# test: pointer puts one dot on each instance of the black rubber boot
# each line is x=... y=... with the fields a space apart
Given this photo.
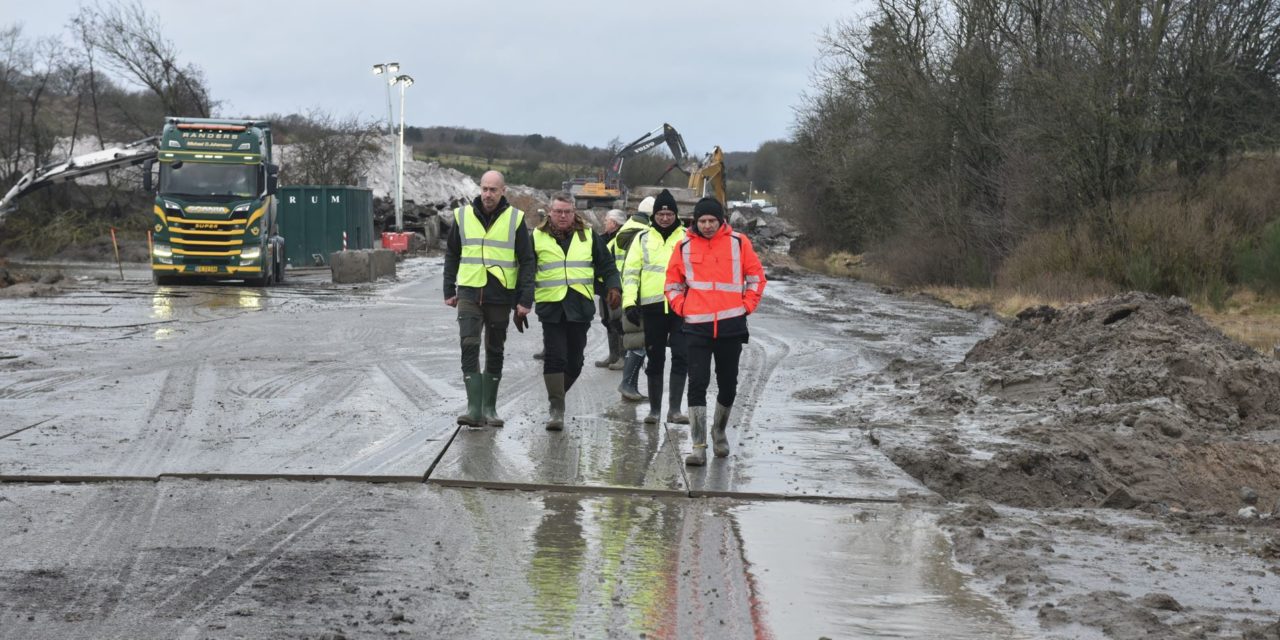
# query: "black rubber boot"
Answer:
x=675 y=400
x=698 y=432
x=474 y=417
x=630 y=377
x=488 y=406
x=719 y=441
x=555 y=400
x=655 y=400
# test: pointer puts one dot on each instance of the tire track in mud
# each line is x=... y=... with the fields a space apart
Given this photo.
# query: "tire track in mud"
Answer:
x=280 y=385
x=202 y=593
x=103 y=570
x=165 y=420
x=34 y=387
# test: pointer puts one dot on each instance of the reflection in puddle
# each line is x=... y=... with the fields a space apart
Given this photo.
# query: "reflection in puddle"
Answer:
x=162 y=304
x=556 y=564
x=248 y=299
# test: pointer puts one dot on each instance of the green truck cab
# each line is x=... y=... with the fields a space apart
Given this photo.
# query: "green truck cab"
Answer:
x=215 y=206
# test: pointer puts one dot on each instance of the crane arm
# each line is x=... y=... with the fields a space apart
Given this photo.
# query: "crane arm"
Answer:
x=81 y=165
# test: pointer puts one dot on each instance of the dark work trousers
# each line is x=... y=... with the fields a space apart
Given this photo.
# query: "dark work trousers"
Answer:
x=564 y=343
x=660 y=331
x=493 y=319
x=726 y=352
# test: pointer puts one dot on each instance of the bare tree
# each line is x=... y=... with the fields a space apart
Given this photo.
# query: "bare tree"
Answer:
x=329 y=150
x=131 y=43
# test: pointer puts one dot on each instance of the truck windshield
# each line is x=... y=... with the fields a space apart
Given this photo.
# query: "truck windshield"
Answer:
x=208 y=179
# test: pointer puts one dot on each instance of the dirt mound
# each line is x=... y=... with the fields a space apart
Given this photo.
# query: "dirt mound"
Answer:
x=1134 y=393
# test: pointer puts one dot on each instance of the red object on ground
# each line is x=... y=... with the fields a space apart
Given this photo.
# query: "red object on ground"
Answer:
x=398 y=242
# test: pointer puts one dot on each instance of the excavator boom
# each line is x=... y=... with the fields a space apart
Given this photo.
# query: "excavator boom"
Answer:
x=81 y=165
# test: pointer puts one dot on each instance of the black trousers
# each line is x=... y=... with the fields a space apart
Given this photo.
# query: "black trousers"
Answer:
x=563 y=344
x=726 y=352
x=493 y=319
x=662 y=330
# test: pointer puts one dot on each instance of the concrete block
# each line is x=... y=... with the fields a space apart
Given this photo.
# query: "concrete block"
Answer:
x=364 y=265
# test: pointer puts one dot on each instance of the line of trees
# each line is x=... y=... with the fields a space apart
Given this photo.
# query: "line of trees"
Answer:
x=942 y=134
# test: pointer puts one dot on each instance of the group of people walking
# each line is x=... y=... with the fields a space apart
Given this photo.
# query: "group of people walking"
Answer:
x=662 y=287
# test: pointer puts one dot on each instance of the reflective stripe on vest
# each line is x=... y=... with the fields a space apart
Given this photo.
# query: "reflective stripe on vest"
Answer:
x=486 y=251
x=557 y=272
x=655 y=255
x=736 y=285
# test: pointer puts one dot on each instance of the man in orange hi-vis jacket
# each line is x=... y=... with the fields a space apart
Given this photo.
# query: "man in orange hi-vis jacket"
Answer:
x=714 y=281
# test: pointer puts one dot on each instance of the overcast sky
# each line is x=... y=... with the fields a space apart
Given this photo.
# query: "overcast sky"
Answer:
x=586 y=71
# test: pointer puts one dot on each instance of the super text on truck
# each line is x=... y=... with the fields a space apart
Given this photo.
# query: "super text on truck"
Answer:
x=215 y=205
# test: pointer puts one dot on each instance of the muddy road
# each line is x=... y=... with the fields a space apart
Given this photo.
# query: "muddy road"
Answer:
x=225 y=462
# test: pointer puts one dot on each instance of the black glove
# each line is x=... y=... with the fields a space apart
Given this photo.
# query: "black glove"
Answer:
x=633 y=315
x=521 y=322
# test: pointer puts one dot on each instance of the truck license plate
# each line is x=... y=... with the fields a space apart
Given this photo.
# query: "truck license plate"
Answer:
x=206 y=269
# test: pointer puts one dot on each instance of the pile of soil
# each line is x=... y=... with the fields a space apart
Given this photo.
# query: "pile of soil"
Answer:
x=1131 y=401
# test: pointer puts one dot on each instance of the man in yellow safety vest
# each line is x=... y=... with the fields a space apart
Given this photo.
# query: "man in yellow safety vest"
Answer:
x=489 y=267
x=569 y=260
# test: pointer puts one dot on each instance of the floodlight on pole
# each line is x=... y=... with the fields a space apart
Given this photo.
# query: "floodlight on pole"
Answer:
x=405 y=82
x=390 y=68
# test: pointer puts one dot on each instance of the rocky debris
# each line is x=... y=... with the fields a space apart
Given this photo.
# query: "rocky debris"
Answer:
x=1134 y=391
x=1248 y=496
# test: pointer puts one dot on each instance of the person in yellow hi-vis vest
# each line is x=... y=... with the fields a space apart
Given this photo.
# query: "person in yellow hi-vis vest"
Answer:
x=489 y=267
x=570 y=257
x=644 y=279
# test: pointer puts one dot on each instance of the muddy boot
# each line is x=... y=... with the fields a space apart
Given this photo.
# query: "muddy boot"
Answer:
x=615 y=351
x=555 y=400
x=655 y=400
x=630 y=377
x=698 y=431
x=488 y=406
x=675 y=400
x=720 y=442
x=474 y=417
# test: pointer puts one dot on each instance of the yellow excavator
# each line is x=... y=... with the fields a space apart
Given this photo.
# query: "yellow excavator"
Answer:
x=707 y=177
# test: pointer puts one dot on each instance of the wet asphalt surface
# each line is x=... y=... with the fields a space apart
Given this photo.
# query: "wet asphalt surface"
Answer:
x=223 y=461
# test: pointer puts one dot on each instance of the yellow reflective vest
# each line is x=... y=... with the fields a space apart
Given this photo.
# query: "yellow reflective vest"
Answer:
x=491 y=250
x=558 y=271
x=644 y=273
x=619 y=253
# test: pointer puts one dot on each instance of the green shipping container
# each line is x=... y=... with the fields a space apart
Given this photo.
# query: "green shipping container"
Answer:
x=313 y=219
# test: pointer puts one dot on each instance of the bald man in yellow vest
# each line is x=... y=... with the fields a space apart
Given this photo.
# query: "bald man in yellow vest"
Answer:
x=489 y=266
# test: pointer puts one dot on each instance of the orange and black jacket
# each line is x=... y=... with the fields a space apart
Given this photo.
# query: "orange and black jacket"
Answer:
x=715 y=283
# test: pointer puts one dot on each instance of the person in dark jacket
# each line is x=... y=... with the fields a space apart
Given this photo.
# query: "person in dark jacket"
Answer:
x=489 y=268
x=570 y=259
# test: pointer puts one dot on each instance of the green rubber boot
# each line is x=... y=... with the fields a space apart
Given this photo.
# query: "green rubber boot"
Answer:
x=488 y=406
x=474 y=417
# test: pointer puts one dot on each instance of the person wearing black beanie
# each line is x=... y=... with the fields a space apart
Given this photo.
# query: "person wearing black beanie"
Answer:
x=644 y=277
x=708 y=207
x=665 y=201
x=714 y=281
